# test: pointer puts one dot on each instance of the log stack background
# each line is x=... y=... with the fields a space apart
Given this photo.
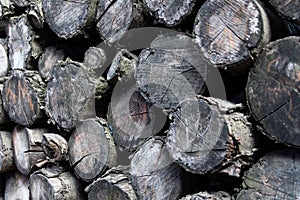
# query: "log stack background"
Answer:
x=149 y=126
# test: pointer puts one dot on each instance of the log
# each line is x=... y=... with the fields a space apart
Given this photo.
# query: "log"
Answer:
x=207 y=134
x=48 y=60
x=114 y=18
x=23 y=97
x=55 y=147
x=68 y=18
x=230 y=32
x=16 y=186
x=28 y=153
x=4 y=119
x=36 y=15
x=166 y=78
x=170 y=13
x=275 y=176
x=4 y=66
x=153 y=174
x=273 y=90
x=91 y=149
x=6 y=152
x=114 y=184
x=94 y=58
x=55 y=183
x=220 y=195
x=70 y=95
x=287 y=9
x=20 y=3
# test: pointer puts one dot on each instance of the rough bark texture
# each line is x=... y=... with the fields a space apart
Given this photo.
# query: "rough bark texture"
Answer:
x=55 y=183
x=208 y=196
x=4 y=66
x=16 y=186
x=273 y=90
x=114 y=184
x=55 y=147
x=153 y=174
x=28 y=152
x=229 y=32
x=91 y=149
x=275 y=176
x=6 y=152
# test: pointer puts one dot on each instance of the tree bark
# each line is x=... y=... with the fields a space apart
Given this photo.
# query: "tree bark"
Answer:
x=55 y=147
x=91 y=149
x=16 y=186
x=4 y=65
x=6 y=152
x=273 y=90
x=153 y=174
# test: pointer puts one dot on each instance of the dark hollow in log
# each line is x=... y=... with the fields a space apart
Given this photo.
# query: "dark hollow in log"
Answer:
x=114 y=184
x=55 y=147
x=94 y=58
x=70 y=94
x=275 y=176
x=171 y=12
x=6 y=152
x=220 y=195
x=91 y=149
x=153 y=174
x=55 y=183
x=28 y=152
x=273 y=90
x=288 y=9
x=23 y=97
x=229 y=32
x=115 y=18
x=166 y=78
x=69 y=18
x=203 y=134
x=48 y=59
x=36 y=15
x=16 y=186
x=4 y=66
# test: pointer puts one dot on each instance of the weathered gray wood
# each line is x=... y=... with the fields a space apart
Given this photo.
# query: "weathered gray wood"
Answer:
x=114 y=184
x=170 y=12
x=6 y=152
x=16 y=186
x=273 y=90
x=21 y=3
x=230 y=32
x=91 y=149
x=275 y=176
x=153 y=174
x=4 y=66
x=94 y=58
x=23 y=97
x=28 y=152
x=69 y=18
x=288 y=9
x=36 y=15
x=55 y=183
x=70 y=94
x=6 y=8
x=208 y=196
x=114 y=19
x=55 y=147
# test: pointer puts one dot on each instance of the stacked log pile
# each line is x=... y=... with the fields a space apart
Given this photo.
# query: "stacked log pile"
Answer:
x=207 y=108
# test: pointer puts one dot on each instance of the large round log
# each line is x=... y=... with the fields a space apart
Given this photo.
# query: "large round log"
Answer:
x=229 y=32
x=91 y=149
x=153 y=174
x=273 y=90
x=6 y=152
x=16 y=186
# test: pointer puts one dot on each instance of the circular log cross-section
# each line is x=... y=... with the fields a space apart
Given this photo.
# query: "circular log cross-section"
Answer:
x=273 y=90
x=228 y=31
x=6 y=152
x=91 y=149
x=153 y=174
x=94 y=58
x=275 y=176
x=68 y=18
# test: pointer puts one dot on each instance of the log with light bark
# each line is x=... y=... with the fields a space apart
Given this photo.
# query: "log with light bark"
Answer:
x=153 y=174
x=91 y=149
x=55 y=147
x=23 y=97
x=55 y=183
x=28 y=152
x=207 y=134
x=273 y=90
x=6 y=152
x=275 y=176
x=230 y=32
x=114 y=184
x=16 y=186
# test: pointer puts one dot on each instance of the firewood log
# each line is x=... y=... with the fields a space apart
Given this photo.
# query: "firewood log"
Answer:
x=208 y=196
x=16 y=186
x=6 y=152
x=4 y=65
x=55 y=147
x=94 y=58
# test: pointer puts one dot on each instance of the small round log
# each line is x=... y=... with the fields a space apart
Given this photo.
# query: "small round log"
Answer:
x=114 y=184
x=28 y=152
x=91 y=149
x=94 y=58
x=55 y=183
x=69 y=18
x=229 y=32
x=170 y=12
x=16 y=186
x=153 y=174
x=6 y=152
x=273 y=90
x=55 y=147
